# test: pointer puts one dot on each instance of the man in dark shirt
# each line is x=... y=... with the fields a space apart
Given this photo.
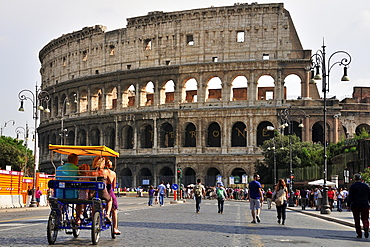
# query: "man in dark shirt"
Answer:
x=358 y=202
x=255 y=198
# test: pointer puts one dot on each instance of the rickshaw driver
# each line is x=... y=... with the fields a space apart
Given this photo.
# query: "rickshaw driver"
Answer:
x=63 y=172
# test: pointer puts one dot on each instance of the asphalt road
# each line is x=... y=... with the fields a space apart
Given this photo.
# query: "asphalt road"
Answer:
x=179 y=225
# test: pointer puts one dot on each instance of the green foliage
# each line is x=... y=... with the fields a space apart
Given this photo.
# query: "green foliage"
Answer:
x=13 y=153
x=366 y=175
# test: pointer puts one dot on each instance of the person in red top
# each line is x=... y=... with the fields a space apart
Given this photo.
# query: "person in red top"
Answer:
x=269 y=198
x=331 y=198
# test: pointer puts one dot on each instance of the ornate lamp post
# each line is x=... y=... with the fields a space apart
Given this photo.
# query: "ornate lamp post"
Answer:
x=25 y=132
x=37 y=98
x=5 y=124
x=319 y=62
x=285 y=116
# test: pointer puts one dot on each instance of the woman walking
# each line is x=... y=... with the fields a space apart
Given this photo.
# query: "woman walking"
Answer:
x=280 y=198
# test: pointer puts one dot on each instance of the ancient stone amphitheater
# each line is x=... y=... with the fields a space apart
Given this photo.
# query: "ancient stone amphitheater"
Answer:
x=196 y=89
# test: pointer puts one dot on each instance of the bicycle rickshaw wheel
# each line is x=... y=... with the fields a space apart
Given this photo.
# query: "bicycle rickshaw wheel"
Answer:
x=52 y=227
x=96 y=228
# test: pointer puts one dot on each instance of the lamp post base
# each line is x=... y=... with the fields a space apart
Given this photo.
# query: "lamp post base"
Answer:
x=325 y=208
x=33 y=204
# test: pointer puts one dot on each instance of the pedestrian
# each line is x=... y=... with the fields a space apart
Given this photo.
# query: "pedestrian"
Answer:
x=331 y=198
x=161 y=193
x=198 y=192
x=304 y=198
x=280 y=197
x=221 y=196
x=358 y=201
x=151 y=195
x=269 y=198
x=340 y=196
x=255 y=198
x=38 y=194
x=29 y=196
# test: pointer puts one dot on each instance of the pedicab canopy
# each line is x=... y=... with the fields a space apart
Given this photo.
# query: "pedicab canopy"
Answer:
x=84 y=150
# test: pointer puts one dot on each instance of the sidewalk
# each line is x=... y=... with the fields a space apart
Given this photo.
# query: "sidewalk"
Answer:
x=345 y=217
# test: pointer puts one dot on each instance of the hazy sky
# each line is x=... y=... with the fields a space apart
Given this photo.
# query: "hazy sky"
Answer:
x=26 y=26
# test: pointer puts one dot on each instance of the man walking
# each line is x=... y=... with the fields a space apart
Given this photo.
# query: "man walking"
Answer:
x=358 y=202
x=162 y=193
x=255 y=198
x=198 y=192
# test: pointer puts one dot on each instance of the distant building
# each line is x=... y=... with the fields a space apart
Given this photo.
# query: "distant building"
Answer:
x=184 y=89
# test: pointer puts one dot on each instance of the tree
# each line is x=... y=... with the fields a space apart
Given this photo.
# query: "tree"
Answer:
x=303 y=154
x=13 y=153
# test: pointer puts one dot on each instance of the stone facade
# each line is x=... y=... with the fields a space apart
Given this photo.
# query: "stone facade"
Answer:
x=163 y=92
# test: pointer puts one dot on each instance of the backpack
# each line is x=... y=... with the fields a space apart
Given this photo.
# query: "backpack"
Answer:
x=220 y=193
x=198 y=190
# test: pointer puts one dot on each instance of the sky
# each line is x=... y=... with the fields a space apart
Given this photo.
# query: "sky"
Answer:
x=27 y=26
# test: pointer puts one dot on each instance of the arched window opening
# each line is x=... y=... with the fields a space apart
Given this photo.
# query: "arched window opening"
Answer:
x=266 y=88
x=147 y=136
x=167 y=136
x=190 y=91
x=111 y=100
x=214 y=89
x=83 y=101
x=149 y=89
x=169 y=92
x=214 y=135
x=239 y=88
x=128 y=137
x=263 y=132
x=292 y=87
x=190 y=135
x=239 y=135
x=211 y=177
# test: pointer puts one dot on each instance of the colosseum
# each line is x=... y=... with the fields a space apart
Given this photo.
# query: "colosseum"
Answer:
x=196 y=90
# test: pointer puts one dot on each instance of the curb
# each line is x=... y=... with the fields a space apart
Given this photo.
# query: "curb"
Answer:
x=343 y=222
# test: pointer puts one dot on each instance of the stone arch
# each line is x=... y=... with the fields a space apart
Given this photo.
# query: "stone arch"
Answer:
x=97 y=99
x=214 y=135
x=111 y=98
x=238 y=173
x=146 y=136
x=144 y=175
x=128 y=96
x=190 y=135
x=72 y=98
x=127 y=137
x=94 y=137
x=110 y=138
x=189 y=176
x=167 y=93
x=149 y=94
x=294 y=128
x=213 y=91
x=83 y=101
x=166 y=175
x=239 y=88
x=70 y=138
x=190 y=91
x=266 y=88
x=211 y=176
x=362 y=127
x=81 y=138
x=263 y=133
x=167 y=135
x=292 y=87
x=126 y=178
x=239 y=135
x=64 y=101
x=318 y=132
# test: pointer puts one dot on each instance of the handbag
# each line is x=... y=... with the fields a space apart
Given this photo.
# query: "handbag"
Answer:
x=280 y=197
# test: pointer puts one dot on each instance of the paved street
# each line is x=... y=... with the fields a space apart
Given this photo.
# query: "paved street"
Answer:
x=179 y=225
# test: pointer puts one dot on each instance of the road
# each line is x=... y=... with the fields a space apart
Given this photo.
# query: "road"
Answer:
x=179 y=225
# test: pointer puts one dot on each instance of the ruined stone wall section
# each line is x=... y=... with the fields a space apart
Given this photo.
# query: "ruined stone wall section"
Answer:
x=174 y=38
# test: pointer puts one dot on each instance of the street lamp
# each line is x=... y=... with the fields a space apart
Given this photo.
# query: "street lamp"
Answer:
x=63 y=131
x=318 y=61
x=271 y=128
x=25 y=132
x=5 y=124
x=37 y=98
x=285 y=116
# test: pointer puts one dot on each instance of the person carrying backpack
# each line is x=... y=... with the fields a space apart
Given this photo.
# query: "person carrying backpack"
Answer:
x=198 y=192
x=221 y=196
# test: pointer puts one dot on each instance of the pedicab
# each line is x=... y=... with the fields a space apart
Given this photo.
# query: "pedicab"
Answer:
x=63 y=211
